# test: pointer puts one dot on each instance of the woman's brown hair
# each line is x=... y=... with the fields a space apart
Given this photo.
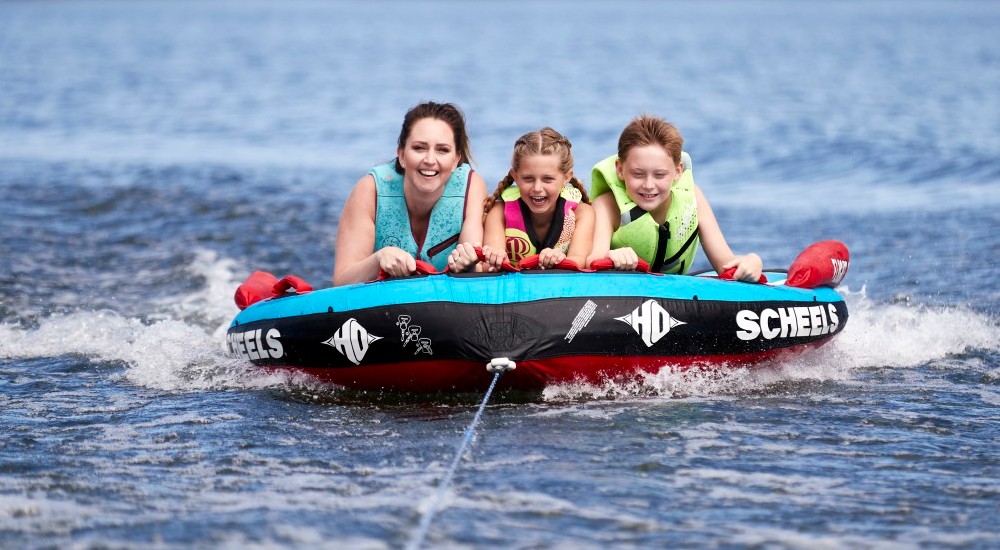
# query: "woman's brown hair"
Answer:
x=445 y=112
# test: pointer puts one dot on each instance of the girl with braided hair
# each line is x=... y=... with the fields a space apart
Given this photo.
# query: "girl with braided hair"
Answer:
x=540 y=207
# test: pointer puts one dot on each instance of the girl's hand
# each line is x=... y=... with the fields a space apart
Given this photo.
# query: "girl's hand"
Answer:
x=550 y=257
x=625 y=259
x=748 y=267
x=463 y=258
x=396 y=262
x=494 y=258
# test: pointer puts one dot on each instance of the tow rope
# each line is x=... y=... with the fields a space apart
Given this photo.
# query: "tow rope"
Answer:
x=497 y=366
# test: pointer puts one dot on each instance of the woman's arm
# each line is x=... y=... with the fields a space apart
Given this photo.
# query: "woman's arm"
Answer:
x=356 y=259
x=748 y=267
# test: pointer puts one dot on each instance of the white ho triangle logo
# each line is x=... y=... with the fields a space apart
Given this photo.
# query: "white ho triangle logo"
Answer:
x=352 y=340
x=650 y=321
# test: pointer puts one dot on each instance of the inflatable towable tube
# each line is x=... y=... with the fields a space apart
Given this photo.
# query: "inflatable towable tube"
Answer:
x=437 y=332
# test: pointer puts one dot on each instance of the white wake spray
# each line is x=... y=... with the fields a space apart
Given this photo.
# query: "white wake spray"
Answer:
x=179 y=346
x=895 y=335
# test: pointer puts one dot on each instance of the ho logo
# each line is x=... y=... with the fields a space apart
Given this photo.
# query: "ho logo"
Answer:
x=650 y=321
x=352 y=340
x=518 y=245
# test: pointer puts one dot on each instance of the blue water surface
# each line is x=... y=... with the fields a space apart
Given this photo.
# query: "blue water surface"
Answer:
x=153 y=154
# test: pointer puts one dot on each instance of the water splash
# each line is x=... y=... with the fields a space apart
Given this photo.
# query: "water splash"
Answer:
x=895 y=335
x=903 y=334
x=213 y=303
x=179 y=345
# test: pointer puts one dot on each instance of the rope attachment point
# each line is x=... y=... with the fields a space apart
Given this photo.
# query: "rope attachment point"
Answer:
x=500 y=365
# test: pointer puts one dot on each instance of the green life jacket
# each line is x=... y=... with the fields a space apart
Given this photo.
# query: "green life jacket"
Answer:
x=392 y=219
x=668 y=248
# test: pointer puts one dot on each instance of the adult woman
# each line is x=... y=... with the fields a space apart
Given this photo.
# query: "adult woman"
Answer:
x=426 y=204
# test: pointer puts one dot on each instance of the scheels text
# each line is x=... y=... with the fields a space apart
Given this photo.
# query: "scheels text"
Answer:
x=787 y=322
x=251 y=344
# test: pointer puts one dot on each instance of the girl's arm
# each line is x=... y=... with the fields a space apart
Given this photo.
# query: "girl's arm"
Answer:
x=356 y=259
x=464 y=255
x=748 y=267
x=472 y=226
x=583 y=236
x=494 y=240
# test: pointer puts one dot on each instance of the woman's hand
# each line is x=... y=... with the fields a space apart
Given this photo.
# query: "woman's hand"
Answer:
x=550 y=257
x=748 y=267
x=495 y=258
x=463 y=258
x=396 y=262
x=625 y=259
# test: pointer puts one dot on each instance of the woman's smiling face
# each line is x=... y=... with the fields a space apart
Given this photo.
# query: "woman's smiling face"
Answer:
x=430 y=155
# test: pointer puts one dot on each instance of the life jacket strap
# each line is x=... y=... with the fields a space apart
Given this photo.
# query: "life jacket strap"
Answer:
x=634 y=214
x=662 y=238
x=669 y=262
x=436 y=249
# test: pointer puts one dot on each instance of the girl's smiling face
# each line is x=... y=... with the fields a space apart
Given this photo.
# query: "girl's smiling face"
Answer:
x=540 y=181
x=648 y=172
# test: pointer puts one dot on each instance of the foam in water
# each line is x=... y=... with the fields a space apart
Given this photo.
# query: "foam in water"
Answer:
x=213 y=304
x=896 y=335
x=174 y=350
x=170 y=350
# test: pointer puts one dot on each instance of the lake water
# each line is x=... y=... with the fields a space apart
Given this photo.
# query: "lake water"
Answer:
x=153 y=154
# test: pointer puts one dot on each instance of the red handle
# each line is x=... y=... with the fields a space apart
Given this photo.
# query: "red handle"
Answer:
x=505 y=266
x=531 y=262
x=291 y=281
x=727 y=275
x=423 y=268
x=604 y=264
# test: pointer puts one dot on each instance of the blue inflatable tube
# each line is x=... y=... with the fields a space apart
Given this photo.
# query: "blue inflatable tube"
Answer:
x=438 y=332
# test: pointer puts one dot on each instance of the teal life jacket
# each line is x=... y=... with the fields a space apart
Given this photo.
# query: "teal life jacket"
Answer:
x=392 y=219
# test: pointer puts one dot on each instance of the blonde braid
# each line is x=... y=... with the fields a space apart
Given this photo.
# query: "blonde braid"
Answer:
x=492 y=199
x=583 y=191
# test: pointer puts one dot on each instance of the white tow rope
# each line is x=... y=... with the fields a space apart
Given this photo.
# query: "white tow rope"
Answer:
x=497 y=366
